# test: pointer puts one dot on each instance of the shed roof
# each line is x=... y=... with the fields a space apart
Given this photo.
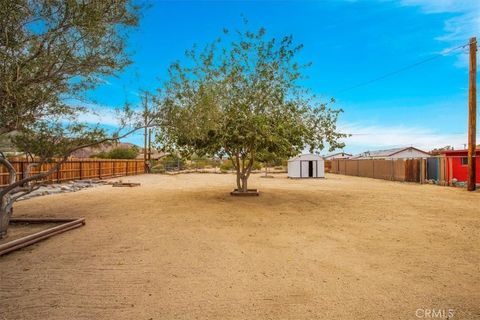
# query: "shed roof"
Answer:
x=307 y=156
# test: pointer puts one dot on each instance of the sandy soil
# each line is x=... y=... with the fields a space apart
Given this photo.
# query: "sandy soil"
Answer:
x=180 y=247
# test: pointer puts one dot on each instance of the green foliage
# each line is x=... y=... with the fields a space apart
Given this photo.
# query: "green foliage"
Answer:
x=227 y=165
x=53 y=49
x=242 y=98
x=257 y=165
x=124 y=153
x=47 y=140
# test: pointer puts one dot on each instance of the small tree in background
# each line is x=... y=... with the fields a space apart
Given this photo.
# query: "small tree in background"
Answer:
x=243 y=99
x=51 y=51
x=267 y=158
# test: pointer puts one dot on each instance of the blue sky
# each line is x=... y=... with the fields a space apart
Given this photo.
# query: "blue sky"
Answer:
x=348 y=42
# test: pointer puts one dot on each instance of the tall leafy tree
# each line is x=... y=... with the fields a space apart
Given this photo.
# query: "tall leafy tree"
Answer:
x=51 y=51
x=241 y=96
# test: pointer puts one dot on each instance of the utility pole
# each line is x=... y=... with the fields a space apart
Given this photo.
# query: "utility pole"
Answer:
x=145 y=133
x=149 y=145
x=472 y=115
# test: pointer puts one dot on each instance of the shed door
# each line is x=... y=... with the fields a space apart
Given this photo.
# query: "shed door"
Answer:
x=308 y=169
x=304 y=168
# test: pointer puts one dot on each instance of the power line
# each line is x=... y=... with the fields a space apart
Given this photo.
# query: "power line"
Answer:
x=415 y=134
x=411 y=134
x=407 y=67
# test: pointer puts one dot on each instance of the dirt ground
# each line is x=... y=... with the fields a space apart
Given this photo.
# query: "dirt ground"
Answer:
x=180 y=247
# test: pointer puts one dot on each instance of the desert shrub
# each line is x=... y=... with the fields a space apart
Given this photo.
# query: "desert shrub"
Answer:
x=123 y=153
x=118 y=153
x=226 y=165
x=257 y=165
x=199 y=164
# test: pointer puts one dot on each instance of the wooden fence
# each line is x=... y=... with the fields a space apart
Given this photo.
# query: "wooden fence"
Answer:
x=328 y=166
x=410 y=170
x=78 y=169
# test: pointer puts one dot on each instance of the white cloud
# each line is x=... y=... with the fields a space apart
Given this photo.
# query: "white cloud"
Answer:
x=440 y=6
x=99 y=114
x=458 y=29
x=378 y=137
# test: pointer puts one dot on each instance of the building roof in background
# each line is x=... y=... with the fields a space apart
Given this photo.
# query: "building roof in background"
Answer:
x=338 y=155
x=386 y=152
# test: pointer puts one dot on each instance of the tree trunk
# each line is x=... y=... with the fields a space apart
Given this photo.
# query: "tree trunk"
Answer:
x=239 y=180
x=6 y=200
x=6 y=210
x=243 y=173
x=244 y=183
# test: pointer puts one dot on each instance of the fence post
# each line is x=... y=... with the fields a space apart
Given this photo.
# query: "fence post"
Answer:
x=126 y=167
x=99 y=170
x=81 y=166
x=450 y=170
x=373 y=168
x=22 y=163
x=393 y=170
x=58 y=172
x=113 y=168
x=422 y=172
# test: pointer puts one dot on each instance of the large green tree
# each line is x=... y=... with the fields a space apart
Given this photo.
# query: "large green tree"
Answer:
x=241 y=96
x=52 y=51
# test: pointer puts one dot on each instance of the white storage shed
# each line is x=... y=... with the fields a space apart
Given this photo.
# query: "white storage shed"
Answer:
x=306 y=166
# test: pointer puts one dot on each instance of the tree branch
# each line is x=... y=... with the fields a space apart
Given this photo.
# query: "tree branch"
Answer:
x=12 y=173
